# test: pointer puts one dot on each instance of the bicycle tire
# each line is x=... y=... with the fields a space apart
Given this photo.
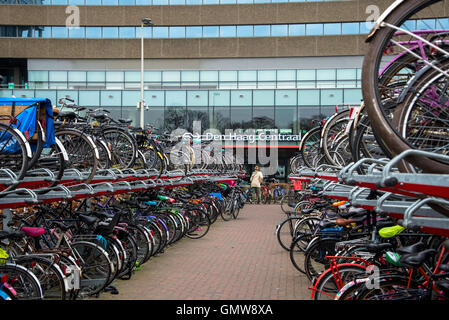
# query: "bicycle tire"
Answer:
x=289 y=234
x=327 y=287
x=95 y=266
x=370 y=77
x=73 y=138
x=17 y=162
x=27 y=286
x=314 y=257
x=48 y=273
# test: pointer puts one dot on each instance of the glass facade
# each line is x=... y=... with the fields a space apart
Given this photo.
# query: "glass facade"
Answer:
x=290 y=110
x=219 y=31
x=147 y=2
x=187 y=32
x=200 y=79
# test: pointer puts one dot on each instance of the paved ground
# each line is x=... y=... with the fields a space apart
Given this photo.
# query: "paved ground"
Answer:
x=237 y=260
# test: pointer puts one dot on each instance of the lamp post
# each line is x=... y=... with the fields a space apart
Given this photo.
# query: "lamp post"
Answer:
x=144 y=22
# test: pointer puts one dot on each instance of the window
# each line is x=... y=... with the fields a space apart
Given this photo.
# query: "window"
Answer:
x=227 y=31
x=263 y=98
x=219 y=98
x=314 y=29
x=286 y=118
x=210 y=31
x=286 y=98
x=93 y=32
x=89 y=98
x=77 y=76
x=77 y=33
x=177 y=32
x=175 y=98
x=197 y=98
x=332 y=28
x=110 y=32
x=194 y=32
x=115 y=76
x=96 y=76
x=127 y=32
x=160 y=32
x=245 y=31
x=111 y=98
x=155 y=98
x=261 y=31
x=279 y=30
x=263 y=117
x=241 y=98
x=59 y=32
x=296 y=30
x=309 y=97
x=350 y=28
x=331 y=97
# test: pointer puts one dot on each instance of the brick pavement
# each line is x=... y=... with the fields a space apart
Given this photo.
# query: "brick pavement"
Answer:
x=237 y=260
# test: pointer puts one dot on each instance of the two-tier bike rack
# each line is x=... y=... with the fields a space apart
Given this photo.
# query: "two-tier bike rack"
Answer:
x=418 y=200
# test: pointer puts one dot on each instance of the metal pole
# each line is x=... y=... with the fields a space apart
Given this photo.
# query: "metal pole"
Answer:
x=142 y=117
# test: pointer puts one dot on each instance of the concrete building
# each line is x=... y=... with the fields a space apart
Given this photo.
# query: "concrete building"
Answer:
x=262 y=64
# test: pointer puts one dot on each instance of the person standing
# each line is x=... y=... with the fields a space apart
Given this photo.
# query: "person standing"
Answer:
x=256 y=179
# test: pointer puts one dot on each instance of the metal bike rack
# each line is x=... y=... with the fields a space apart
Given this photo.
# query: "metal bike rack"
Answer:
x=416 y=194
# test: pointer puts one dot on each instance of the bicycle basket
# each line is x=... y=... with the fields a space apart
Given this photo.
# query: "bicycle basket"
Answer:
x=28 y=111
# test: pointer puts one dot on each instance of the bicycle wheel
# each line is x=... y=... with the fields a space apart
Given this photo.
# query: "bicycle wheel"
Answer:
x=285 y=231
x=25 y=284
x=296 y=254
x=422 y=118
x=226 y=213
x=310 y=146
x=15 y=153
x=95 y=267
x=154 y=159
x=333 y=127
x=235 y=208
x=82 y=152
x=130 y=246
x=123 y=147
x=332 y=281
x=53 y=158
x=200 y=225
x=385 y=44
x=48 y=273
x=315 y=262
x=390 y=288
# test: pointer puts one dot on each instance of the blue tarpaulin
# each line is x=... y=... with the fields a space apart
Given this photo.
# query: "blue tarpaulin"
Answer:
x=27 y=118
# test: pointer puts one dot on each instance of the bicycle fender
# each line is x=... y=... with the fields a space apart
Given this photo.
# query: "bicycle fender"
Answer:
x=326 y=272
x=63 y=150
x=382 y=18
x=25 y=141
x=107 y=149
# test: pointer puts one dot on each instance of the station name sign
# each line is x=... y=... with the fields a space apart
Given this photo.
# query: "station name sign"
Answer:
x=251 y=138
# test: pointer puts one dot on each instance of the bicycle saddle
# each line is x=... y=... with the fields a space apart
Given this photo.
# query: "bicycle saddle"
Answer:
x=444 y=268
x=67 y=115
x=88 y=219
x=99 y=116
x=33 y=232
x=443 y=285
x=383 y=223
x=11 y=235
x=327 y=224
x=414 y=248
x=352 y=212
x=125 y=121
x=378 y=247
x=416 y=260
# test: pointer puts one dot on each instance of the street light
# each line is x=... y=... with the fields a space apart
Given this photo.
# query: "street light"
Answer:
x=145 y=22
